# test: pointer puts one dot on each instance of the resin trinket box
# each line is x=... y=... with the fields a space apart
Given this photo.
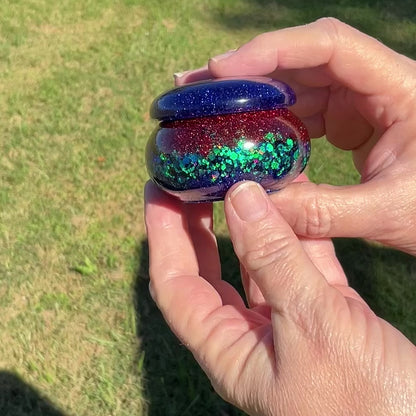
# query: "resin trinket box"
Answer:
x=214 y=133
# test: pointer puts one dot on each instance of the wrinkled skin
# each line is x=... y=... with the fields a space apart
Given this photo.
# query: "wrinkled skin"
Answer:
x=362 y=96
x=306 y=344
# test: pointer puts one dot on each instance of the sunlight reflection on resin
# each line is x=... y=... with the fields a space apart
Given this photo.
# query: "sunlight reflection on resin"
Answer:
x=215 y=133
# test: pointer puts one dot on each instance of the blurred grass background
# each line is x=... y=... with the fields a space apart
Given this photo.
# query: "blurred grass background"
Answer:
x=79 y=333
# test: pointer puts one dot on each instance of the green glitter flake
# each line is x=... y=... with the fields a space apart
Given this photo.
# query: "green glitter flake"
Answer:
x=296 y=154
x=269 y=147
x=274 y=157
x=269 y=136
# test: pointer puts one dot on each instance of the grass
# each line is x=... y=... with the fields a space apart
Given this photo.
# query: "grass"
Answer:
x=80 y=335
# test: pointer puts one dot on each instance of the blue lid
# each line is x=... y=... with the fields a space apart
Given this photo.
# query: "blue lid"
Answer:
x=221 y=96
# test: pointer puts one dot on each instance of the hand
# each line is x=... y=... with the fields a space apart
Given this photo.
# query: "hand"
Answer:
x=362 y=96
x=306 y=345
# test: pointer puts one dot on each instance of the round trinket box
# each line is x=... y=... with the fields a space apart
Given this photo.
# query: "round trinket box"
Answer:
x=214 y=133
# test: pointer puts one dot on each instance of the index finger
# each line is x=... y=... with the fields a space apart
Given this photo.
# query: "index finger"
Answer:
x=185 y=297
x=350 y=57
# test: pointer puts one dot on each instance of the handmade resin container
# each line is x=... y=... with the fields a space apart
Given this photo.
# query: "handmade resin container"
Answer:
x=215 y=133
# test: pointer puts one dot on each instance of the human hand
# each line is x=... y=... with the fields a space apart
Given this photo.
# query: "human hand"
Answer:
x=306 y=345
x=362 y=96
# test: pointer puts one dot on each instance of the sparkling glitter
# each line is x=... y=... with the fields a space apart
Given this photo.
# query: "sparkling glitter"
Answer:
x=218 y=132
x=189 y=160
x=221 y=96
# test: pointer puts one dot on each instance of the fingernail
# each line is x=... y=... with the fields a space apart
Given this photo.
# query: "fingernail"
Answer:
x=178 y=75
x=152 y=291
x=223 y=55
x=249 y=201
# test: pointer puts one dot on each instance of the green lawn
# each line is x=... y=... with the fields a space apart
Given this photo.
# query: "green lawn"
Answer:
x=79 y=333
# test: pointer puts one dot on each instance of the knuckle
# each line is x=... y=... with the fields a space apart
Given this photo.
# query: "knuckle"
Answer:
x=330 y=25
x=316 y=220
x=331 y=29
x=272 y=249
x=262 y=40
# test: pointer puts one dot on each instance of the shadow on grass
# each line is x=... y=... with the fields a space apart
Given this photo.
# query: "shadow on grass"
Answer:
x=174 y=383
x=393 y=22
x=18 y=398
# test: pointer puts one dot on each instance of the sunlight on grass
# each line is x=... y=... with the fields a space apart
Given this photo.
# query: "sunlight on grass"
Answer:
x=76 y=79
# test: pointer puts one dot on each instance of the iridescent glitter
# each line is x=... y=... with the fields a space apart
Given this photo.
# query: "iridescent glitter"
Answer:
x=200 y=159
x=215 y=133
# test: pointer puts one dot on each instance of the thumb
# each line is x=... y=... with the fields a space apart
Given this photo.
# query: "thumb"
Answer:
x=272 y=255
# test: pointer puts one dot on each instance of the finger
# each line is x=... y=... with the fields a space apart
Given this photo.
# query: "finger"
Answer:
x=315 y=125
x=345 y=127
x=316 y=77
x=323 y=256
x=335 y=110
x=171 y=250
x=200 y=226
x=185 y=298
x=352 y=58
x=253 y=293
x=182 y=243
x=273 y=256
x=310 y=101
x=192 y=307
x=322 y=253
x=194 y=75
x=326 y=210
x=374 y=210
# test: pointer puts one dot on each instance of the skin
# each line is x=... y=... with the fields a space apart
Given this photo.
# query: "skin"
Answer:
x=362 y=96
x=306 y=344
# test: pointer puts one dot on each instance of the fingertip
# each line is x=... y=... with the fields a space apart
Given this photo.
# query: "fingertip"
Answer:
x=178 y=78
x=248 y=201
x=149 y=186
x=160 y=207
x=153 y=193
x=194 y=75
x=150 y=191
x=223 y=56
x=241 y=62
